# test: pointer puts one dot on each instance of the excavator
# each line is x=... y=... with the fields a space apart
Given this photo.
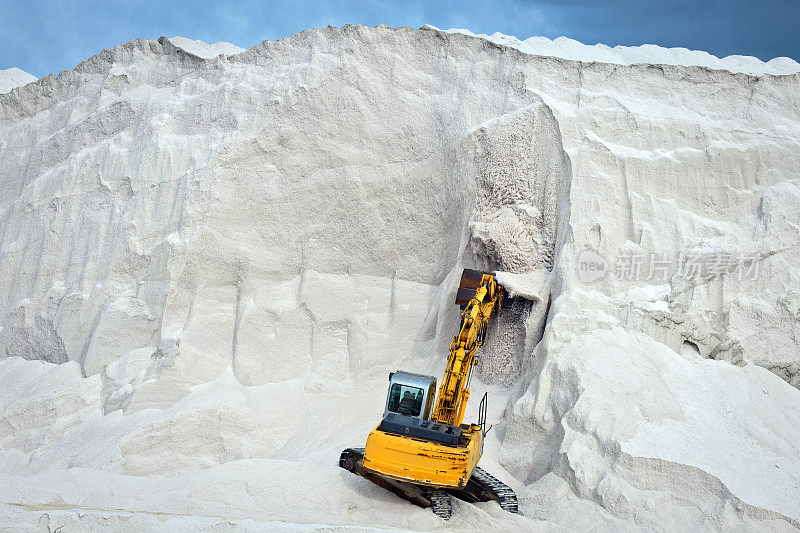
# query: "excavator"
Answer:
x=421 y=450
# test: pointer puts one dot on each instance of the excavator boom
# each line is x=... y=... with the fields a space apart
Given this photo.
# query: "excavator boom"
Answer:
x=484 y=301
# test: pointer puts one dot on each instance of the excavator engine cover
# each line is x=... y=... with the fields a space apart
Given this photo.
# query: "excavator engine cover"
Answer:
x=424 y=429
x=423 y=461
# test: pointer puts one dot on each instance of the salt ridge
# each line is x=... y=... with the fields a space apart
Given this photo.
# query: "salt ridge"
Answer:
x=203 y=49
x=14 y=77
x=567 y=48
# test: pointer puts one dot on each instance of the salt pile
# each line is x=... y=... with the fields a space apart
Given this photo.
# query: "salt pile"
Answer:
x=14 y=77
x=211 y=259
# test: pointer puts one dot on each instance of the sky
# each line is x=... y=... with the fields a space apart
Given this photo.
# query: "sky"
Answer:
x=49 y=36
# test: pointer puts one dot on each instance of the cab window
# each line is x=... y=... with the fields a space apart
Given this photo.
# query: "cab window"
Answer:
x=429 y=403
x=405 y=400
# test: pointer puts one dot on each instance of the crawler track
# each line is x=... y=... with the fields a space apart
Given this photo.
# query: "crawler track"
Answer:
x=441 y=504
x=505 y=496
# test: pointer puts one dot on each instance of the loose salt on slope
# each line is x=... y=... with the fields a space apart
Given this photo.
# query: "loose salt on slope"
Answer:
x=14 y=77
x=205 y=50
x=532 y=286
x=567 y=48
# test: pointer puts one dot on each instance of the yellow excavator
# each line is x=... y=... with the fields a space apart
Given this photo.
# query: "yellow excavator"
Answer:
x=421 y=450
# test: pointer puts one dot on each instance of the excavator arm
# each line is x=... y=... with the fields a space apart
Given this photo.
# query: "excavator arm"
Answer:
x=484 y=299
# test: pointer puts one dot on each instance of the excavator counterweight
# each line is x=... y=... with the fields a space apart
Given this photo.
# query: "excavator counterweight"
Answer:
x=422 y=450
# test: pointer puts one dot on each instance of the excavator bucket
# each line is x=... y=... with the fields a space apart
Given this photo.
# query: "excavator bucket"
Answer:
x=470 y=281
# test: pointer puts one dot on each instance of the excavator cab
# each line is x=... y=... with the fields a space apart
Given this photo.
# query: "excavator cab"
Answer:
x=410 y=395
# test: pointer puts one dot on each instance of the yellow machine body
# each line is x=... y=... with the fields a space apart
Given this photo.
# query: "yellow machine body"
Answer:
x=393 y=450
x=423 y=461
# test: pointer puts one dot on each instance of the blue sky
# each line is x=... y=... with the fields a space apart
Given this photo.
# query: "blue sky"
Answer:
x=49 y=36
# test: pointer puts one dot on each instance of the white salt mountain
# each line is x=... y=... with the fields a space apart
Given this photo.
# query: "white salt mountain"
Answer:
x=14 y=77
x=210 y=265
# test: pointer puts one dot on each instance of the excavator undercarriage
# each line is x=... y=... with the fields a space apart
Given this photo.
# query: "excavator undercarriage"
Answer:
x=481 y=487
